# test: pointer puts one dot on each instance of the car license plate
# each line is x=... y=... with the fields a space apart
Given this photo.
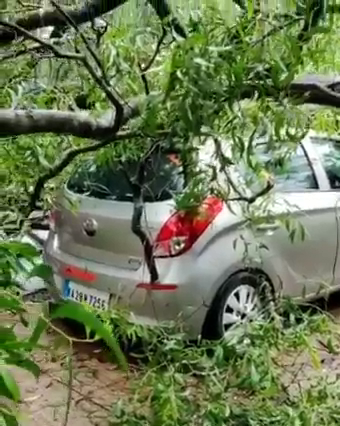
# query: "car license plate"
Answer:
x=91 y=296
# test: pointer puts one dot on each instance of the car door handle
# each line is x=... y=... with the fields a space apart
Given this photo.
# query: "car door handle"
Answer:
x=268 y=227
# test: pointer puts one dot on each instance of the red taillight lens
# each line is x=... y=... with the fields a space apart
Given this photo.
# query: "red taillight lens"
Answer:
x=182 y=230
x=70 y=271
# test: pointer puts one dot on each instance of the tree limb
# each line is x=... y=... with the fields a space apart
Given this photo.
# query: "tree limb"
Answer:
x=144 y=68
x=66 y=159
x=90 y=11
x=275 y=29
x=16 y=53
x=163 y=11
x=79 y=124
x=241 y=4
x=322 y=90
x=316 y=89
x=136 y=225
x=101 y=80
x=52 y=17
x=51 y=47
x=252 y=198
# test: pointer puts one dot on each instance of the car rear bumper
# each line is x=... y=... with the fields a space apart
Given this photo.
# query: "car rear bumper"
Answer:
x=147 y=306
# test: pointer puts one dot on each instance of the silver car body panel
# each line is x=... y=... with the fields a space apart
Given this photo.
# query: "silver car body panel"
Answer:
x=115 y=254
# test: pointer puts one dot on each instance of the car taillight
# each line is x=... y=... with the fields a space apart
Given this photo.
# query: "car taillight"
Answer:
x=182 y=229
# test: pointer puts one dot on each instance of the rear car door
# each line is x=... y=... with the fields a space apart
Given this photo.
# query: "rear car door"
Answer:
x=328 y=150
x=306 y=265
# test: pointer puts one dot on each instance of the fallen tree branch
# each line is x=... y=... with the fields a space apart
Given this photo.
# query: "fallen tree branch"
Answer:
x=316 y=89
x=23 y=51
x=65 y=160
x=163 y=10
x=322 y=90
x=90 y=11
x=57 y=52
x=144 y=68
x=233 y=185
x=136 y=226
x=101 y=79
x=52 y=17
x=88 y=46
x=79 y=124
x=252 y=198
x=275 y=29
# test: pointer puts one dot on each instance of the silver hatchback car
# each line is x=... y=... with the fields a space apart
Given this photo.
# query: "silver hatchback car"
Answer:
x=203 y=277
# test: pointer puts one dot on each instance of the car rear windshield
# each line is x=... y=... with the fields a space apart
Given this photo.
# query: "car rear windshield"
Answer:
x=163 y=179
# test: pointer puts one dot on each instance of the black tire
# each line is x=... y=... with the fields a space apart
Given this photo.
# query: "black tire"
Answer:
x=213 y=328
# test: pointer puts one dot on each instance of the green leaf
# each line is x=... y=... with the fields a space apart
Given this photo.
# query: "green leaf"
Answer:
x=302 y=232
x=39 y=328
x=331 y=346
x=77 y=312
x=25 y=364
x=17 y=248
x=254 y=375
x=250 y=8
x=8 y=385
x=42 y=271
x=315 y=358
x=8 y=414
x=7 y=334
x=292 y=235
x=10 y=303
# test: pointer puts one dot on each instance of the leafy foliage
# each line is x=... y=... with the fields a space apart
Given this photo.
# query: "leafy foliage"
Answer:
x=239 y=380
x=223 y=87
x=16 y=351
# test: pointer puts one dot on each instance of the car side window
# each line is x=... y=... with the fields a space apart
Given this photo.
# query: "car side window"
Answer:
x=290 y=174
x=329 y=152
x=297 y=175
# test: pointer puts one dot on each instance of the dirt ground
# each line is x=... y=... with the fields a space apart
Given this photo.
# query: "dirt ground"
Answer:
x=98 y=384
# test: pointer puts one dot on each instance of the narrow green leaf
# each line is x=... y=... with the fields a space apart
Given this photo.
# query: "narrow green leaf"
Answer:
x=18 y=248
x=255 y=378
x=42 y=271
x=9 y=385
x=77 y=312
x=10 y=303
x=8 y=415
x=25 y=364
x=250 y=8
x=39 y=328
x=7 y=334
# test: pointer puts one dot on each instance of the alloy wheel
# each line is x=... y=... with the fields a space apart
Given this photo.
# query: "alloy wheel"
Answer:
x=241 y=305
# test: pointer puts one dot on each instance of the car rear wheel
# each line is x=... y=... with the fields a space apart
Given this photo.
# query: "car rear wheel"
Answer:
x=240 y=299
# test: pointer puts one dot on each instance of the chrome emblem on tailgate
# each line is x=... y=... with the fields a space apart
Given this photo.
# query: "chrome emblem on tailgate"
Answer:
x=134 y=262
x=90 y=227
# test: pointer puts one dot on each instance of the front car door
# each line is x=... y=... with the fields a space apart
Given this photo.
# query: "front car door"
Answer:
x=305 y=266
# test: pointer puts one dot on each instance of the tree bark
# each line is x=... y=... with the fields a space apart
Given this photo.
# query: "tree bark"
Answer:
x=311 y=89
x=79 y=124
x=90 y=11
x=53 y=18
